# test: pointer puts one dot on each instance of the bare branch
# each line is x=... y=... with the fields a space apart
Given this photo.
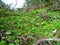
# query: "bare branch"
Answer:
x=51 y=39
x=41 y=41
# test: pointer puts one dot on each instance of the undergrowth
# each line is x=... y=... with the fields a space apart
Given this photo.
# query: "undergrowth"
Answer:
x=28 y=24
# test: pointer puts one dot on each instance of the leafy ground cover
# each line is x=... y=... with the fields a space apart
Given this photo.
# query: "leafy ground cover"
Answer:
x=16 y=30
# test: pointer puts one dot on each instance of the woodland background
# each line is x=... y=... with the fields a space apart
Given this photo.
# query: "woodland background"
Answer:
x=34 y=24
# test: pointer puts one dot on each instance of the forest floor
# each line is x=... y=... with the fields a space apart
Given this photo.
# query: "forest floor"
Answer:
x=29 y=27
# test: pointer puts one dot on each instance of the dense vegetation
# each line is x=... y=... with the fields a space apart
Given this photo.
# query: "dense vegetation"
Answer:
x=17 y=28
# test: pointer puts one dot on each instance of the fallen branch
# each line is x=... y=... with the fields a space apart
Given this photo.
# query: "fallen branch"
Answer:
x=51 y=39
x=41 y=41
